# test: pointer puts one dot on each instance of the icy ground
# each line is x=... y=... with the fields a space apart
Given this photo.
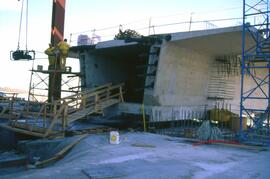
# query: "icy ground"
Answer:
x=161 y=157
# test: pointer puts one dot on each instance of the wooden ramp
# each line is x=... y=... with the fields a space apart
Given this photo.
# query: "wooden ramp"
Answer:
x=84 y=112
x=54 y=118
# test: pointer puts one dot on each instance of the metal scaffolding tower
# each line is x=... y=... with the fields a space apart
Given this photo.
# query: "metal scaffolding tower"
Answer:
x=39 y=83
x=255 y=99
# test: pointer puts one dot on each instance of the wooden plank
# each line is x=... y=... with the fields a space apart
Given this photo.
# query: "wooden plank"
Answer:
x=29 y=127
x=60 y=154
x=84 y=112
x=109 y=103
x=79 y=114
x=105 y=173
x=10 y=116
x=100 y=93
x=49 y=130
x=84 y=92
x=121 y=94
x=144 y=145
x=23 y=131
x=13 y=163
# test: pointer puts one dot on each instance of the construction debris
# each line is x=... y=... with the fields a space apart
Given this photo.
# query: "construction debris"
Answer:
x=207 y=132
x=60 y=154
x=231 y=144
x=43 y=152
x=103 y=173
x=144 y=145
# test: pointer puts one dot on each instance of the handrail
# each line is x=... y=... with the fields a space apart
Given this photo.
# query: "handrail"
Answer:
x=84 y=92
x=89 y=101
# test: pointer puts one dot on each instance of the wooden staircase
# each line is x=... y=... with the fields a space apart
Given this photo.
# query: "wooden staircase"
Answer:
x=54 y=118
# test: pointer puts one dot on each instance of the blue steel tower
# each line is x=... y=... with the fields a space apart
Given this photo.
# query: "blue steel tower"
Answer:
x=255 y=100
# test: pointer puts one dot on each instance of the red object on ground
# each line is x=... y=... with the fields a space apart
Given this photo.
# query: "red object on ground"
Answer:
x=216 y=141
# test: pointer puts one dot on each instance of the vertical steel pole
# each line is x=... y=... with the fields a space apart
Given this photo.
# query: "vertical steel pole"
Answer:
x=242 y=72
x=268 y=64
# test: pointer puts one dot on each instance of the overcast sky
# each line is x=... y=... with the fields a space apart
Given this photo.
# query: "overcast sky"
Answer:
x=84 y=15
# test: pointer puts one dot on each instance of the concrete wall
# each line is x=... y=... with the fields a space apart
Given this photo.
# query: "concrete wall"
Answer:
x=100 y=70
x=183 y=74
x=249 y=83
x=115 y=65
x=182 y=83
x=182 y=77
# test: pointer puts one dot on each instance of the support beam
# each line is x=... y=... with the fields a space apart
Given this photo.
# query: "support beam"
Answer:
x=57 y=34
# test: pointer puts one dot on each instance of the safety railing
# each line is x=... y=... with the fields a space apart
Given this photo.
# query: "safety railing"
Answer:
x=9 y=101
x=54 y=118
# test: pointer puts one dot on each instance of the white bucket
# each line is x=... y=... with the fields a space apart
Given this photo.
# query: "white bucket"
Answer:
x=114 y=137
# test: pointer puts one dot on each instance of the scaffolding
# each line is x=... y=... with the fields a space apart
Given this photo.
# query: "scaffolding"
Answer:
x=255 y=75
x=39 y=83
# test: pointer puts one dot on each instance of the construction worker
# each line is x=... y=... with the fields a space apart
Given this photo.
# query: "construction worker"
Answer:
x=63 y=47
x=51 y=55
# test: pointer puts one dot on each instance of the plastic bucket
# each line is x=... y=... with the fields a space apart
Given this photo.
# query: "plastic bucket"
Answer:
x=114 y=137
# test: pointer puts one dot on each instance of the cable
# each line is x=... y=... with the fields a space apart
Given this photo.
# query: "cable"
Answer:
x=30 y=83
x=26 y=25
x=200 y=12
x=19 y=37
x=154 y=17
x=170 y=24
x=26 y=28
x=94 y=30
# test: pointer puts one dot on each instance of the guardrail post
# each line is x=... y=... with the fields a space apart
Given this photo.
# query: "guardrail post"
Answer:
x=83 y=104
x=96 y=102
x=121 y=94
x=44 y=115
x=107 y=94
x=64 y=118
x=54 y=109
x=11 y=107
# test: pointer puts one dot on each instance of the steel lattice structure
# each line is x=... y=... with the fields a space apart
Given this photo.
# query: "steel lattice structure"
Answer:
x=255 y=100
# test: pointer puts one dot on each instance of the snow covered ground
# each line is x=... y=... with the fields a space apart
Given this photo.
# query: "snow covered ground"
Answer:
x=161 y=157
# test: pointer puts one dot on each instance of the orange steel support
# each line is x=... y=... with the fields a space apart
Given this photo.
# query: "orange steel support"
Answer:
x=57 y=34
